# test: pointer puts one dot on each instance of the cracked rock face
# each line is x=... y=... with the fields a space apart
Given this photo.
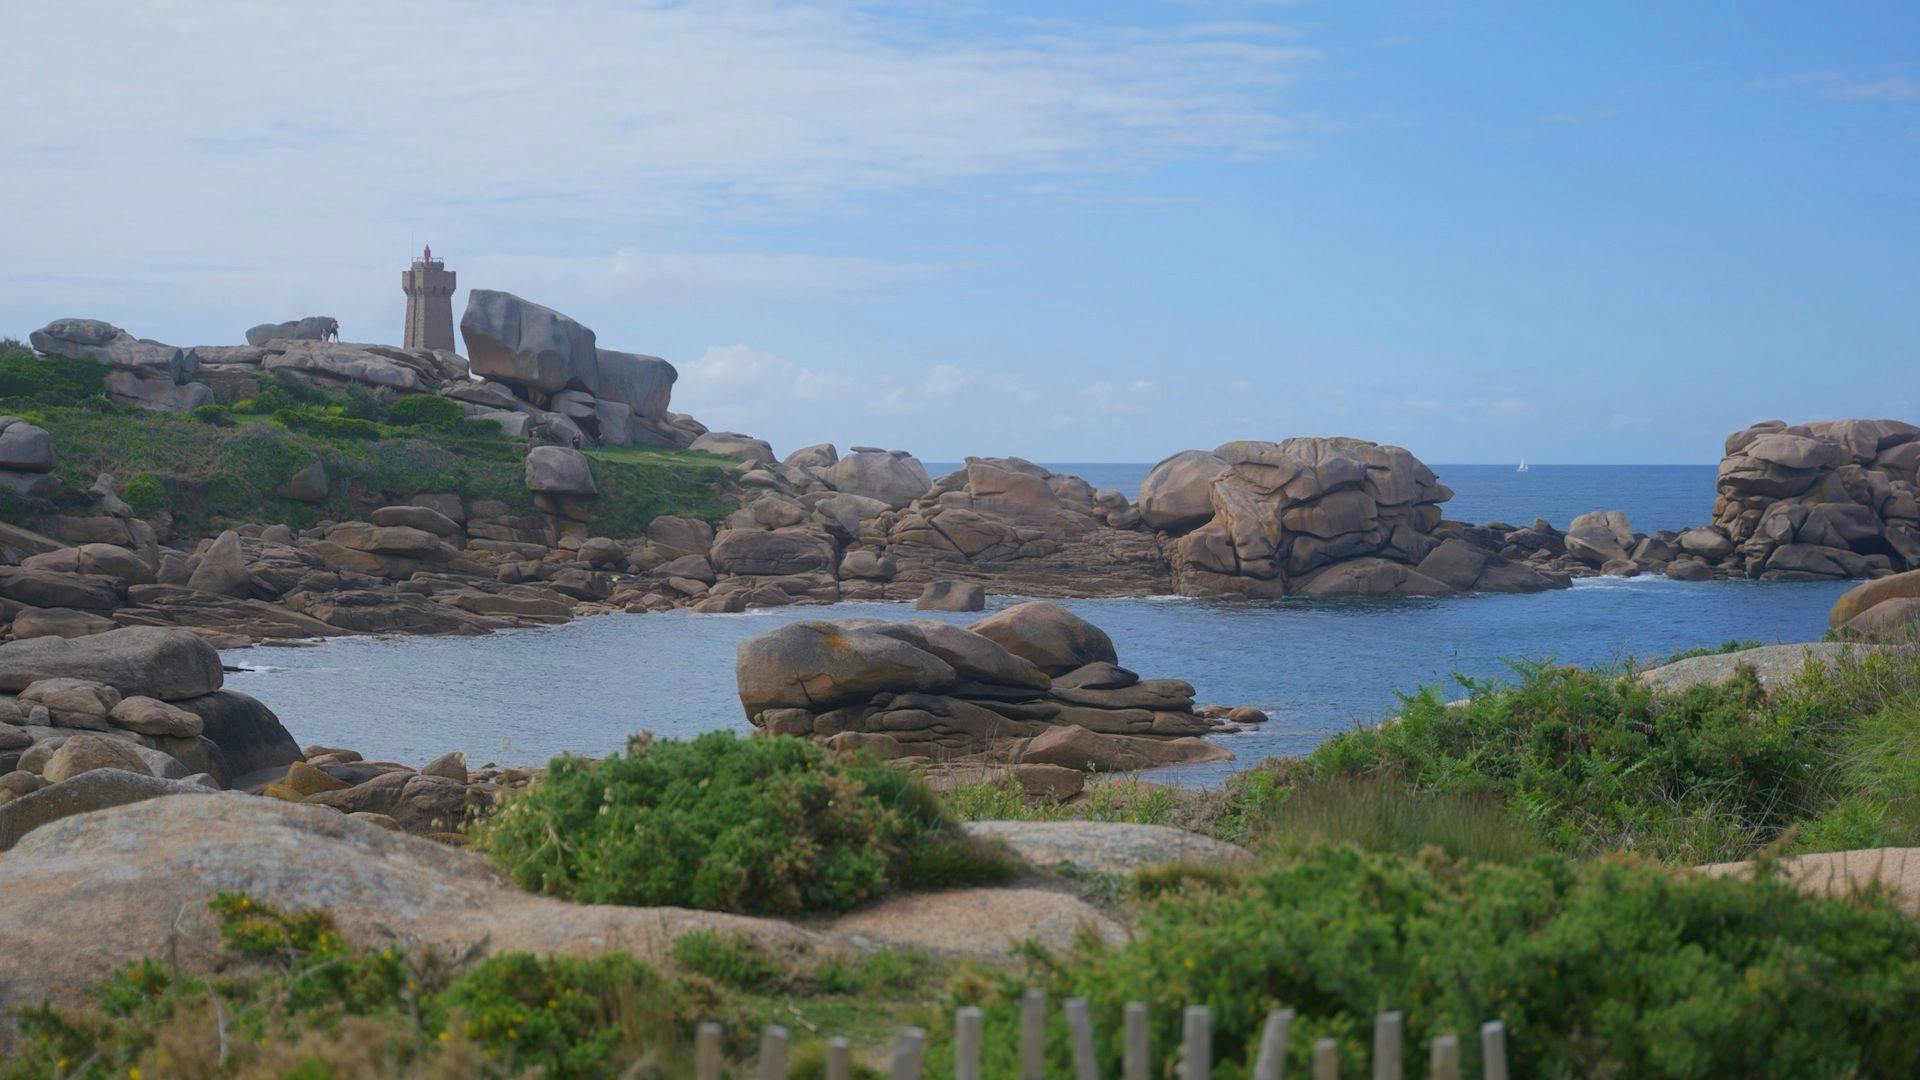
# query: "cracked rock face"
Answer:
x=1831 y=499
x=1275 y=519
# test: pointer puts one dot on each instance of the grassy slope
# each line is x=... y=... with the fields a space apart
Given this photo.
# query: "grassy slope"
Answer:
x=215 y=475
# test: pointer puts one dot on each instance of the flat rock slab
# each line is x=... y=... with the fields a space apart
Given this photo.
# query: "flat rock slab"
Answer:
x=1105 y=847
x=1776 y=665
x=977 y=922
x=1836 y=873
x=86 y=894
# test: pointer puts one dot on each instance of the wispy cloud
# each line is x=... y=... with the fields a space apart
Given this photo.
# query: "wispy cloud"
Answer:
x=236 y=139
x=1838 y=86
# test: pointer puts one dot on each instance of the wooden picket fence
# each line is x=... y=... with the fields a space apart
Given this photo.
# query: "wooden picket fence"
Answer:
x=1196 y=1047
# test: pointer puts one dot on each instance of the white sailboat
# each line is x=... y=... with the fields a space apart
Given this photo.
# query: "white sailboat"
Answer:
x=1523 y=466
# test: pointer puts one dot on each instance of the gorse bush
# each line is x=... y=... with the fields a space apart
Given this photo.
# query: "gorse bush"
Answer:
x=1613 y=967
x=761 y=825
x=216 y=414
x=326 y=426
x=144 y=493
x=424 y=410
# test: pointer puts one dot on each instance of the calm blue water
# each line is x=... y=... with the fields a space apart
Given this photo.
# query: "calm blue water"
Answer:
x=1316 y=667
x=1654 y=497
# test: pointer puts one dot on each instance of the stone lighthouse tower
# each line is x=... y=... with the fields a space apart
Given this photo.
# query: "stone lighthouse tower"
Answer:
x=429 y=288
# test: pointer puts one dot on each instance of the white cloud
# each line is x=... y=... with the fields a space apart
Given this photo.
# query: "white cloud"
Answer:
x=1839 y=86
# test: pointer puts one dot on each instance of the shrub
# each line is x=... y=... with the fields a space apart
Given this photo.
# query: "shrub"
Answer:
x=1594 y=761
x=327 y=427
x=728 y=959
x=562 y=1016
x=361 y=404
x=761 y=825
x=144 y=493
x=425 y=410
x=270 y=400
x=216 y=414
x=1615 y=967
x=48 y=379
x=286 y=1000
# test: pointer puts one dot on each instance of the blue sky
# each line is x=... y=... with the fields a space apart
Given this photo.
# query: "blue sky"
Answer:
x=1078 y=232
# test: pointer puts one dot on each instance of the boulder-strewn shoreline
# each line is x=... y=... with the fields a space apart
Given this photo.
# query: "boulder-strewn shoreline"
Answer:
x=1304 y=517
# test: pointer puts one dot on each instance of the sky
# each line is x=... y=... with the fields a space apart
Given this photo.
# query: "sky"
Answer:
x=1580 y=233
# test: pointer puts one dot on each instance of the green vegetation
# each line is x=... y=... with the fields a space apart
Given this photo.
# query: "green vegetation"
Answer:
x=1126 y=798
x=295 y=999
x=25 y=376
x=424 y=410
x=763 y=825
x=1608 y=967
x=224 y=463
x=1592 y=761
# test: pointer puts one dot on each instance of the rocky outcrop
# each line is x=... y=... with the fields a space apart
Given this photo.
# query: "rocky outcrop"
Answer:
x=1832 y=499
x=543 y=366
x=1003 y=689
x=140 y=372
x=311 y=328
x=1317 y=517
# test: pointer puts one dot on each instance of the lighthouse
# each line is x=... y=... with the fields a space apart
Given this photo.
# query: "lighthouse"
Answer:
x=429 y=288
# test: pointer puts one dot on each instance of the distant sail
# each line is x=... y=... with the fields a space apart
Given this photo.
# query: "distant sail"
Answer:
x=1523 y=465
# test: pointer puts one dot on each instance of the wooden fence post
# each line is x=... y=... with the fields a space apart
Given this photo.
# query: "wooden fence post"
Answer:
x=1326 y=1059
x=1196 y=1050
x=1033 y=1035
x=1080 y=1035
x=1134 y=1064
x=839 y=1059
x=706 y=1051
x=773 y=1053
x=1493 y=1049
x=967 y=1021
x=1444 y=1064
x=906 y=1055
x=1389 y=1039
x=1272 y=1062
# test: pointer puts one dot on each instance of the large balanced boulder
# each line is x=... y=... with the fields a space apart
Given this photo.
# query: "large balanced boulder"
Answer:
x=558 y=470
x=526 y=345
x=145 y=661
x=892 y=477
x=1178 y=494
x=644 y=384
x=1048 y=636
x=817 y=664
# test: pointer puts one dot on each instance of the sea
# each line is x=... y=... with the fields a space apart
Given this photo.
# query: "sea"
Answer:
x=1316 y=667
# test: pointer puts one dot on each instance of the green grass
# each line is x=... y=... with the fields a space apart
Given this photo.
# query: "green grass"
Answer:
x=213 y=476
